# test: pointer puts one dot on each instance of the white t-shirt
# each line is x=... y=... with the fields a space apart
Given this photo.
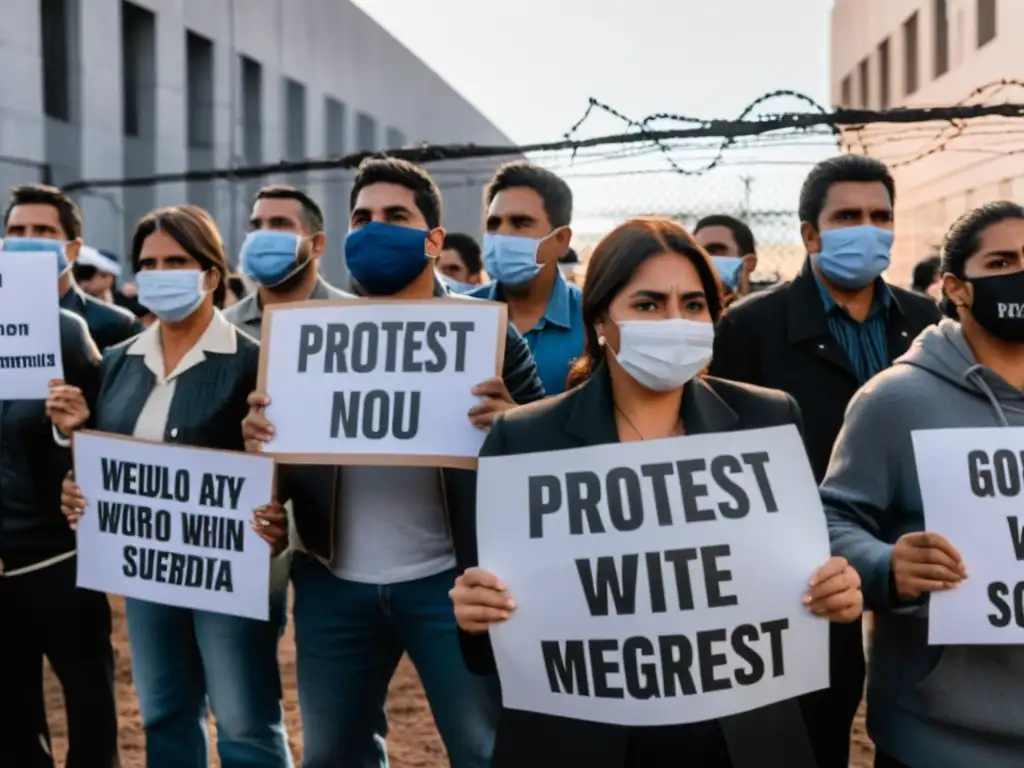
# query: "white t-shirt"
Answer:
x=391 y=525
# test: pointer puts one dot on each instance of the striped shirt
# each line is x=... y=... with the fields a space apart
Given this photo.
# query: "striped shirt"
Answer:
x=866 y=343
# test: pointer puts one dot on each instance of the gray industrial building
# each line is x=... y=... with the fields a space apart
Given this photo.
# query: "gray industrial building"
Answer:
x=106 y=89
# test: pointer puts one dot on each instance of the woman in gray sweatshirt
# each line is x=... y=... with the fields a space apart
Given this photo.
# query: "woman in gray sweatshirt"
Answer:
x=934 y=706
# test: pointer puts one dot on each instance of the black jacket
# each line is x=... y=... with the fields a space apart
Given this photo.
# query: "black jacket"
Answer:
x=210 y=399
x=108 y=323
x=780 y=339
x=771 y=736
x=32 y=465
x=313 y=490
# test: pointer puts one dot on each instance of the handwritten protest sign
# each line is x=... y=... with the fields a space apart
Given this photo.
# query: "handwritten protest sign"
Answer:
x=378 y=381
x=30 y=354
x=656 y=582
x=971 y=484
x=170 y=524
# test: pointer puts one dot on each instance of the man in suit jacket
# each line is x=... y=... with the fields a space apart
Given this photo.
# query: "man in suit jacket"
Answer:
x=819 y=338
x=44 y=213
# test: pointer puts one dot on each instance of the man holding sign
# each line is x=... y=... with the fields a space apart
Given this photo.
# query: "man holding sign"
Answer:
x=380 y=540
x=923 y=498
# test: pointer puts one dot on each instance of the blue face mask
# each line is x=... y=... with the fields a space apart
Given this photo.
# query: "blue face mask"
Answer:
x=384 y=258
x=39 y=245
x=270 y=257
x=511 y=259
x=728 y=269
x=458 y=287
x=170 y=294
x=853 y=257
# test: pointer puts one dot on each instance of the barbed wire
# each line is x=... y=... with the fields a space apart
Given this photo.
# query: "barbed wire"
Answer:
x=639 y=139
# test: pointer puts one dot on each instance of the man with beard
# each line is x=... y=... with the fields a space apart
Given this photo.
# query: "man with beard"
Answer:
x=281 y=255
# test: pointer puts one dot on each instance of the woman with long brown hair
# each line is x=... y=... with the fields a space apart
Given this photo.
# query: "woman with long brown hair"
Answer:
x=185 y=381
x=650 y=302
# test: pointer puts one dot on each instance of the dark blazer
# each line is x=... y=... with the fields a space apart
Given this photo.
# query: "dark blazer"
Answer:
x=108 y=324
x=210 y=399
x=313 y=490
x=780 y=339
x=771 y=736
x=32 y=465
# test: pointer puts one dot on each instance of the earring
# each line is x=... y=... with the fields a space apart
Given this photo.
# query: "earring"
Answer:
x=600 y=341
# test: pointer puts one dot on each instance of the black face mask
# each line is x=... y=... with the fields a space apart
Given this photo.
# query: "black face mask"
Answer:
x=999 y=305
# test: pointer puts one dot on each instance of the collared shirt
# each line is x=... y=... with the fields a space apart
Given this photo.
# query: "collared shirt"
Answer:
x=865 y=343
x=247 y=314
x=558 y=337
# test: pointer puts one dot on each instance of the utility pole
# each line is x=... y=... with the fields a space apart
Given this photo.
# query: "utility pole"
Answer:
x=748 y=183
x=232 y=134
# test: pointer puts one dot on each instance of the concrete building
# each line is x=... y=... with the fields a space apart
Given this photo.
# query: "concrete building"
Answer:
x=101 y=89
x=891 y=53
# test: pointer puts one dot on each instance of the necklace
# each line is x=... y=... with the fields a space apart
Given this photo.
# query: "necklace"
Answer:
x=632 y=426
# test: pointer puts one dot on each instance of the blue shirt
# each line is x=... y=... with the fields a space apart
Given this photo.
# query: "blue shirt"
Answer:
x=558 y=338
x=866 y=344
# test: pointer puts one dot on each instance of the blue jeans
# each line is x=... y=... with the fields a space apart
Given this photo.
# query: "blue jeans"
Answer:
x=349 y=639
x=181 y=658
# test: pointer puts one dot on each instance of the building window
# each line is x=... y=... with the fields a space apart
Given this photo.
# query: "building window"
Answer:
x=199 y=89
x=334 y=127
x=846 y=92
x=366 y=133
x=395 y=139
x=883 y=75
x=940 y=60
x=295 y=119
x=138 y=69
x=986 y=21
x=252 y=111
x=910 y=55
x=864 y=81
x=56 y=50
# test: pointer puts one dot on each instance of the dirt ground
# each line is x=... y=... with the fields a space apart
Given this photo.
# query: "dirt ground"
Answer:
x=413 y=740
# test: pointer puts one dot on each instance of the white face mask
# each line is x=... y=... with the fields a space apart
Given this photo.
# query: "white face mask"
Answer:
x=664 y=354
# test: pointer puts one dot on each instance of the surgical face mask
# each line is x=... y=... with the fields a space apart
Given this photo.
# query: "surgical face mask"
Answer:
x=39 y=245
x=854 y=257
x=998 y=305
x=458 y=287
x=512 y=259
x=171 y=294
x=728 y=269
x=663 y=355
x=385 y=258
x=270 y=257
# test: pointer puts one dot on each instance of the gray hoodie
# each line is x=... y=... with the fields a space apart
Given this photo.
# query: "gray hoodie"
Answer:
x=928 y=707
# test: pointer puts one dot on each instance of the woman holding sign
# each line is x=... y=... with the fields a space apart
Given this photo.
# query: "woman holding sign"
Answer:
x=945 y=679
x=185 y=380
x=650 y=302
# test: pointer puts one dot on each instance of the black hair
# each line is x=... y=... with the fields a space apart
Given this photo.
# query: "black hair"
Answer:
x=195 y=231
x=836 y=170
x=569 y=257
x=925 y=272
x=391 y=170
x=553 y=190
x=964 y=239
x=612 y=265
x=740 y=231
x=43 y=194
x=468 y=250
x=311 y=212
x=237 y=286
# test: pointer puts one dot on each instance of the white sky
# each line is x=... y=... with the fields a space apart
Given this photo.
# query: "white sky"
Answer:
x=531 y=65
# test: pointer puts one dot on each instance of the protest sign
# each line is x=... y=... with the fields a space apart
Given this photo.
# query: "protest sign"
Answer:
x=971 y=485
x=656 y=582
x=170 y=524
x=30 y=354
x=371 y=381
